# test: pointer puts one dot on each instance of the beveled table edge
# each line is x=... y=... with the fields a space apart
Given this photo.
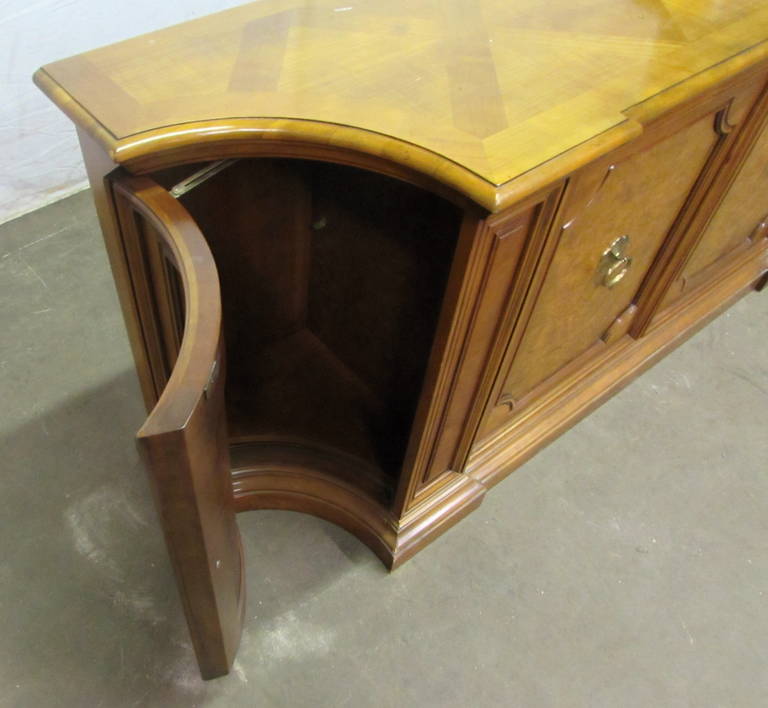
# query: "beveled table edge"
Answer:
x=245 y=136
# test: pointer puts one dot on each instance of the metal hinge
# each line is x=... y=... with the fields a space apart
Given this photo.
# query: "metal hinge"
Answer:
x=200 y=176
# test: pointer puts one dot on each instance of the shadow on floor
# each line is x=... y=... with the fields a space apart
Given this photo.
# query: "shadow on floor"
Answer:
x=89 y=599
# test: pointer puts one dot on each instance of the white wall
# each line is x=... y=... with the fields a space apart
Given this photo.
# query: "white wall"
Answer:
x=39 y=156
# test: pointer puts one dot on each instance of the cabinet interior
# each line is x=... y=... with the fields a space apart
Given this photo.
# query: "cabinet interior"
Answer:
x=332 y=280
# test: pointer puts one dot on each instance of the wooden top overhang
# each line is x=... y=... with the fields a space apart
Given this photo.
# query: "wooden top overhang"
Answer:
x=493 y=98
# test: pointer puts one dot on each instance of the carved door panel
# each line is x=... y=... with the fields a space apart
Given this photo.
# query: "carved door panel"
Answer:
x=740 y=220
x=616 y=218
x=184 y=439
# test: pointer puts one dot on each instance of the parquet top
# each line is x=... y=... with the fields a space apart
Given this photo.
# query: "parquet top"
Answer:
x=473 y=92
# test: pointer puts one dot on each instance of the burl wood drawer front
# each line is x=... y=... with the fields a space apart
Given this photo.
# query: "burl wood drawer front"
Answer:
x=628 y=206
x=738 y=222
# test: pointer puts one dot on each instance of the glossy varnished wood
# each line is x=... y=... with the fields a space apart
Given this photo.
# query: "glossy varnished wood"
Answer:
x=656 y=191
x=396 y=332
x=583 y=388
x=184 y=439
x=98 y=165
x=739 y=221
x=651 y=185
x=474 y=94
x=333 y=280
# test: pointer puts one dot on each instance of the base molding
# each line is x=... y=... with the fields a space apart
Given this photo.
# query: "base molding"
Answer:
x=288 y=478
x=297 y=483
x=426 y=521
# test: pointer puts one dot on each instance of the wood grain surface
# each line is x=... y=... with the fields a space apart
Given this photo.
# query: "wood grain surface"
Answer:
x=472 y=93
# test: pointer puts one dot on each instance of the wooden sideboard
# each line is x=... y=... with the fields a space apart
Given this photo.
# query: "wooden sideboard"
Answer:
x=373 y=257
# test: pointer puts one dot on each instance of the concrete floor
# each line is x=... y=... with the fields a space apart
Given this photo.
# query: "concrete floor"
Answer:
x=626 y=565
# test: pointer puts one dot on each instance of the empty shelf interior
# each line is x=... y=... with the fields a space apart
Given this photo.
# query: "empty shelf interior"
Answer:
x=332 y=280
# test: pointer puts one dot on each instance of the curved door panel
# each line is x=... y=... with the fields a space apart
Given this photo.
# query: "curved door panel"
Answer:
x=184 y=439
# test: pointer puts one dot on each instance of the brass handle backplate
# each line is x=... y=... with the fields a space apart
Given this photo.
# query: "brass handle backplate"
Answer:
x=614 y=265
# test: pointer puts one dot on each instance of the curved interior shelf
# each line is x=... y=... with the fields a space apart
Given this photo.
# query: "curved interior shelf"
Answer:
x=332 y=279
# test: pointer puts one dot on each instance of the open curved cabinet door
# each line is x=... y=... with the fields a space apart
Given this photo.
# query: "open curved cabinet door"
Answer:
x=184 y=439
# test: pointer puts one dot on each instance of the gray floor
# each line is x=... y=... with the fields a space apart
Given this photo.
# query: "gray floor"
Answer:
x=626 y=565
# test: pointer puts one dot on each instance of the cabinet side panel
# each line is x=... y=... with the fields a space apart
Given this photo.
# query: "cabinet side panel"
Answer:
x=490 y=258
x=504 y=248
x=99 y=165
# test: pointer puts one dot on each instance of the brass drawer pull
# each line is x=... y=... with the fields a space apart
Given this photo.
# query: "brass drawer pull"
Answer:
x=614 y=265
